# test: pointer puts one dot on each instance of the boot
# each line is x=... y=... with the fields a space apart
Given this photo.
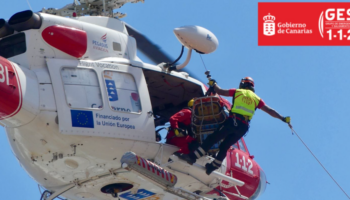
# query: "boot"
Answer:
x=210 y=168
x=175 y=154
x=189 y=159
x=193 y=146
x=178 y=154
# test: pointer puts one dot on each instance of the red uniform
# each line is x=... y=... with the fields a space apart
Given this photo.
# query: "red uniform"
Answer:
x=181 y=119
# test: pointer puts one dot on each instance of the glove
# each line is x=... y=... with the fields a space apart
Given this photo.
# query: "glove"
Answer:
x=286 y=119
x=179 y=132
x=212 y=82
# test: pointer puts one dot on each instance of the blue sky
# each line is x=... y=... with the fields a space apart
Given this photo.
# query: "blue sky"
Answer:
x=310 y=84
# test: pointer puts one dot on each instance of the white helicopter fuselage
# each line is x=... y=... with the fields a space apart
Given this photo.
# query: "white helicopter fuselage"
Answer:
x=71 y=125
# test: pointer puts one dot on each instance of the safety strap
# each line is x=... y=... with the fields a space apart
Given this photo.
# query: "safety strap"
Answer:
x=245 y=120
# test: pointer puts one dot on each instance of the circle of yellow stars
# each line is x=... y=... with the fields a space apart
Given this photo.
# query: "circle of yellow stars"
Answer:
x=86 y=119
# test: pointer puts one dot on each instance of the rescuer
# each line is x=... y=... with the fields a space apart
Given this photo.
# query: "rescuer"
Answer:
x=180 y=133
x=244 y=104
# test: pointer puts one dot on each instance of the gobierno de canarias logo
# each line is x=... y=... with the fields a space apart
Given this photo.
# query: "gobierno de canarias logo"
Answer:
x=288 y=27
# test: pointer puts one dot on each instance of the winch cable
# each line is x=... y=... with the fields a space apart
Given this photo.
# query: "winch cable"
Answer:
x=207 y=71
x=200 y=55
x=293 y=131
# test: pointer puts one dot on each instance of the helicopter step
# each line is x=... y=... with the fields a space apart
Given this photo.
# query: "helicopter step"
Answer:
x=215 y=174
x=158 y=175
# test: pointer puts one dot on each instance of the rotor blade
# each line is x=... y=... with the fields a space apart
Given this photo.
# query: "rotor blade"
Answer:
x=149 y=49
x=152 y=51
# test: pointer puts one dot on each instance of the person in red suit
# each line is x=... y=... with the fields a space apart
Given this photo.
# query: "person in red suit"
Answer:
x=180 y=133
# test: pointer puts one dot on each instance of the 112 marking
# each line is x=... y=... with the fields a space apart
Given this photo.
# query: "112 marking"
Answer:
x=244 y=167
x=340 y=34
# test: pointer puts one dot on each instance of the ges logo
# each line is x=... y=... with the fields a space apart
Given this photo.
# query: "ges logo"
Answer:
x=334 y=18
x=247 y=100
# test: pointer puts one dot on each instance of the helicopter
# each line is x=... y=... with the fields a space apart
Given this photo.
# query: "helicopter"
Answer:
x=64 y=140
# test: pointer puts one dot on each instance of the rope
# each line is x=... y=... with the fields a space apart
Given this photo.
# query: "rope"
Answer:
x=203 y=62
x=293 y=131
x=181 y=84
x=200 y=55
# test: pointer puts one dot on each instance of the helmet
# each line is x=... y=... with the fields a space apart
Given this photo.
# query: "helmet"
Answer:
x=190 y=103
x=248 y=80
x=247 y=83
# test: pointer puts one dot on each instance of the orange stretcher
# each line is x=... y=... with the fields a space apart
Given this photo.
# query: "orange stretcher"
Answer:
x=207 y=115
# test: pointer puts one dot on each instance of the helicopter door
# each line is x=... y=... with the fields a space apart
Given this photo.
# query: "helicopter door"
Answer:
x=101 y=99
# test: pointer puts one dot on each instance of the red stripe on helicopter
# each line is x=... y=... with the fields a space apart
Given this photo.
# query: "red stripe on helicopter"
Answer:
x=148 y=166
x=144 y=163
x=153 y=169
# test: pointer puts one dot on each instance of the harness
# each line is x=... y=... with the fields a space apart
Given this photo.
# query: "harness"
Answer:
x=244 y=119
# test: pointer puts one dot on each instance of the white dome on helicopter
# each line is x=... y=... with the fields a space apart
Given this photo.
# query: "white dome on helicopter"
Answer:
x=198 y=38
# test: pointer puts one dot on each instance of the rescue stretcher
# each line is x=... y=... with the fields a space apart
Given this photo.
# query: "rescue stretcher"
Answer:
x=207 y=115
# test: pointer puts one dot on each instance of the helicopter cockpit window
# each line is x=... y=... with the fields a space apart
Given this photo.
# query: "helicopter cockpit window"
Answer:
x=241 y=146
x=235 y=146
x=82 y=88
x=122 y=92
x=13 y=45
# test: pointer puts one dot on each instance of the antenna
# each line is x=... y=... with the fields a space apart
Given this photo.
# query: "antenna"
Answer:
x=29 y=5
x=104 y=7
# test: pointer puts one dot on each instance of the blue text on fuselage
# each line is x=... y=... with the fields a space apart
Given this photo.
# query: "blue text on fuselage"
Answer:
x=99 y=44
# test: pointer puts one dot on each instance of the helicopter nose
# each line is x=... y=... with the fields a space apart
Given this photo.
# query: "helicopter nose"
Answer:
x=10 y=91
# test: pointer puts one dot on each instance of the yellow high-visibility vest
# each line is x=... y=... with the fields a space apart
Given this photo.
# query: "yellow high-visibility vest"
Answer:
x=245 y=102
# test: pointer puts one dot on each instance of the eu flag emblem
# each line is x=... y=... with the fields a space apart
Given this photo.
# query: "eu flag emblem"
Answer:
x=82 y=119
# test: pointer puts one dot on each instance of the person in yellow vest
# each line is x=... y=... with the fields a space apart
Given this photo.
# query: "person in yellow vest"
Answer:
x=244 y=104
